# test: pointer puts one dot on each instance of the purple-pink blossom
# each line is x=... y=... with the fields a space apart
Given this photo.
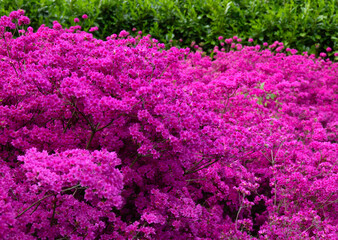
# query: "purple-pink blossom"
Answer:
x=125 y=139
x=23 y=20
x=123 y=34
x=93 y=29
x=322 y=54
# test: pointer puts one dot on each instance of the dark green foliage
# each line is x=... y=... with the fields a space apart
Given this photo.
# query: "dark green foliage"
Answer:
x=46 y=11
x=300 y=24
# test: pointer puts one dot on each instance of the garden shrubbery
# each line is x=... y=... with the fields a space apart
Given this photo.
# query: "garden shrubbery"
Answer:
x=123 y=139
x=310 y=25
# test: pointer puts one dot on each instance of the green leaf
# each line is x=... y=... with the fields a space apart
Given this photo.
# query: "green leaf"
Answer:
x=262 y=85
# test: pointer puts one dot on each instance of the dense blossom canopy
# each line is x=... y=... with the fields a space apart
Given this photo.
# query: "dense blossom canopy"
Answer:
x=123 y=139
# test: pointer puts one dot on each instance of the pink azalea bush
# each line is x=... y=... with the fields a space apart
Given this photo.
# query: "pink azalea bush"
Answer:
x=123 y=139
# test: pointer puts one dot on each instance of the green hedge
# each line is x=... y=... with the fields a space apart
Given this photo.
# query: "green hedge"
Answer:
x=298 y=23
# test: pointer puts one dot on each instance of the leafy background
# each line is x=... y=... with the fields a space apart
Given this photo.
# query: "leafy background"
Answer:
x=300 y=24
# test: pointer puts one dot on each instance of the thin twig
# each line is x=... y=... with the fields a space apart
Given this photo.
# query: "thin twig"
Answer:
x=210 y=163
x=38 y=201
x=52 y=220
x=68 y=123
x=238 y=212
x=132 y=164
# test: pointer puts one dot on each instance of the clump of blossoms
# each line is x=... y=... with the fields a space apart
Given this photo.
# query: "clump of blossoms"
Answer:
x=123 y=139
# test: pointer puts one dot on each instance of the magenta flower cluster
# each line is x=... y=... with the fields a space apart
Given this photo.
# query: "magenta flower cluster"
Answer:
x=125 y=139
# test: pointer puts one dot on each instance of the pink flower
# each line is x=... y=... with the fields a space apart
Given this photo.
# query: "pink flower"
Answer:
x=93 y=29
x=123 y=34
x=322 y=54
x=265 y=44
x=228 y=41
x=84 y=16
x=250 y=40
x=279 y=48
x=161 y=45
x=23 y=20
x=21 y=92
x=15 y=15
x=57 y=25
x=293 y=51
x=8 y=35
x=328 y=49
x=76 y=20
x=220 y=38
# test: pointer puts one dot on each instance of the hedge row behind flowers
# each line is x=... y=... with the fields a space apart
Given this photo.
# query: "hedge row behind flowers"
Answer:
x=310 y=25
x=123 y=139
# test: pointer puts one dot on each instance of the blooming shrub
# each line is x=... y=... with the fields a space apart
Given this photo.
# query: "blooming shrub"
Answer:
x=123 y=139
